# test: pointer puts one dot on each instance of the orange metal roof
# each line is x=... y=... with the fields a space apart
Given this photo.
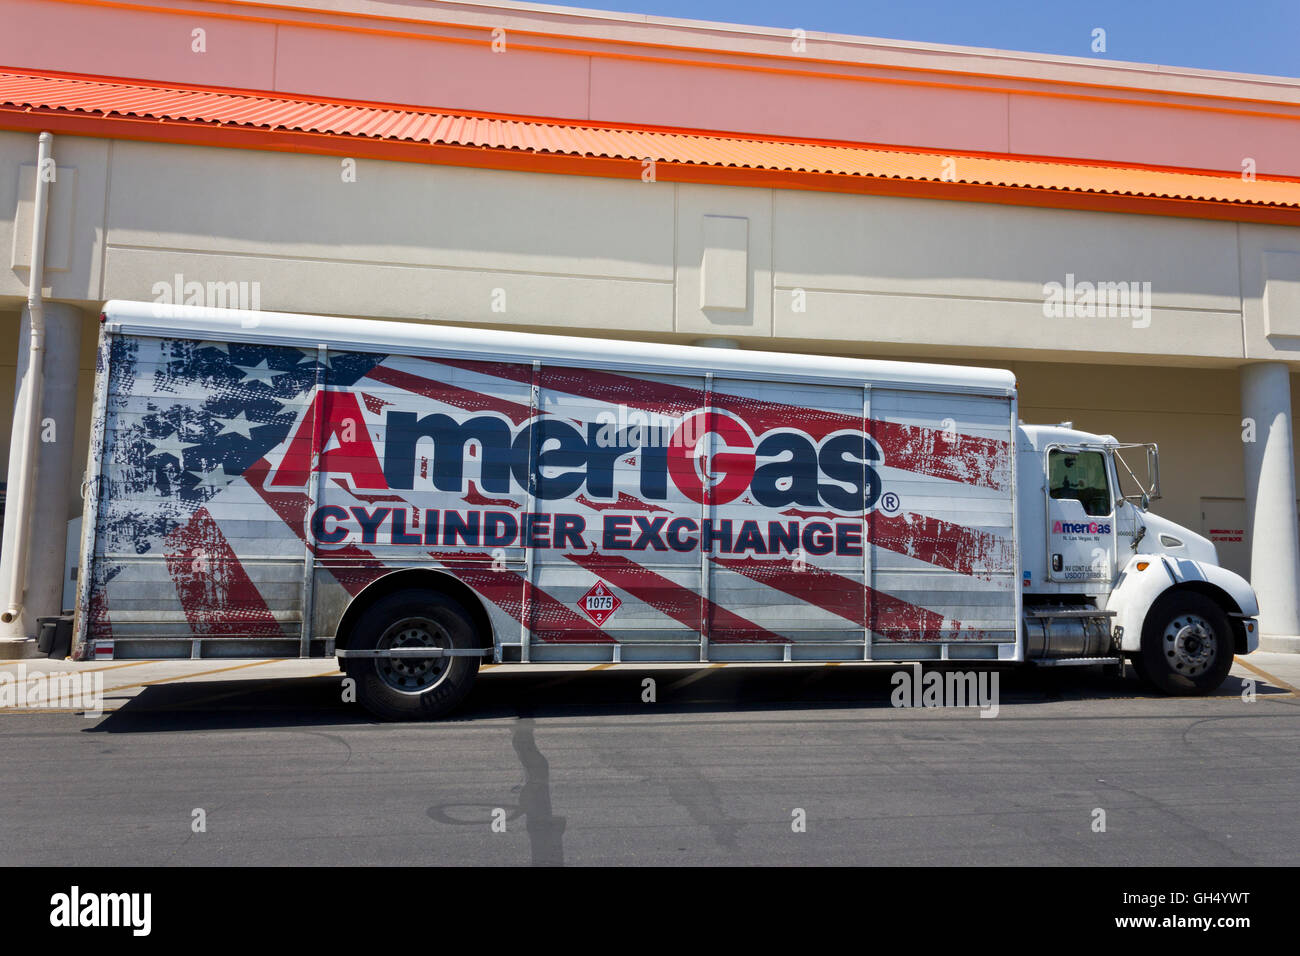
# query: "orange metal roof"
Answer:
x=134 y=109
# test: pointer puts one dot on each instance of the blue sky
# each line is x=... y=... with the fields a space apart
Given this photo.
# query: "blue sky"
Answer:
x=1243 y=36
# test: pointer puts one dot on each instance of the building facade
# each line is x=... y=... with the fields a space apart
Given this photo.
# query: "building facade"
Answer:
x=1123 y=237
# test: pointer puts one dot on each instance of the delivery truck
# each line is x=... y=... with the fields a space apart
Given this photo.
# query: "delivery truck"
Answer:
x=417 y=499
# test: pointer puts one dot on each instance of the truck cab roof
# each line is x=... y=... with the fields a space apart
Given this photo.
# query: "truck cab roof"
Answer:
x=1038 y=437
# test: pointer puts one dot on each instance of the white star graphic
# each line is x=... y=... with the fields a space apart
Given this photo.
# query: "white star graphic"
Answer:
x=217 y=479
x=240 y=425
x=313 y=355
x=173 y=444
x=261 y=373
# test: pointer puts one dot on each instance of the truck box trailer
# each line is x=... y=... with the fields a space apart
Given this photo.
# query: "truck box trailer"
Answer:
x=415 y=499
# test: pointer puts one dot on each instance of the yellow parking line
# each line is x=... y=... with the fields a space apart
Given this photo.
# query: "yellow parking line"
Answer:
x=91 y=670
x=219 y=670
x=1275 y=681
x=692 y=678
x=115 y=666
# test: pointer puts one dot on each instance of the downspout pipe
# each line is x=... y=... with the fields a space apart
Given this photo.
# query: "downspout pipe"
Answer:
x=19 y=502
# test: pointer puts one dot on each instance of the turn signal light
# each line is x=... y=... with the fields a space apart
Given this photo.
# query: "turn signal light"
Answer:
x=1143 y=565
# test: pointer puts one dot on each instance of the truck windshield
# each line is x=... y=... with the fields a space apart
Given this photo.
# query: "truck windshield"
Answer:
x=1079 y=476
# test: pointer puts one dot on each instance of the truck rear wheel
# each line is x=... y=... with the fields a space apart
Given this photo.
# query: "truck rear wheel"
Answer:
x=1186 y=645
x=412 y=688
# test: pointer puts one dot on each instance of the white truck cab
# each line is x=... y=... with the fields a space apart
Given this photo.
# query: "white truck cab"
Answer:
x=1102 y=576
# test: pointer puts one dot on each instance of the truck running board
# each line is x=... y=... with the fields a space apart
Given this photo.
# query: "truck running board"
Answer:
x=1071 y=613
x=1075 y=661
x=418 y=652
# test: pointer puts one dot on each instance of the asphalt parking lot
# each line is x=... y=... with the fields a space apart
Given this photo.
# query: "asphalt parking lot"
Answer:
x=728 y=765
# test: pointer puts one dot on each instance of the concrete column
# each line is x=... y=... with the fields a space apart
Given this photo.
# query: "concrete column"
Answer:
x=56 y=458
x=1271 y=504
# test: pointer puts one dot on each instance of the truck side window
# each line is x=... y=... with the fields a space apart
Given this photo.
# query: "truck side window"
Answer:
x=1080 y=476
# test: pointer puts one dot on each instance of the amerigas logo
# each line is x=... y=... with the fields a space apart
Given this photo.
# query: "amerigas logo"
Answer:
x=707 y=454
x=1085 y=527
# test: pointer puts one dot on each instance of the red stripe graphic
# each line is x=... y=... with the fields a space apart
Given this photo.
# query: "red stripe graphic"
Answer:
x=374 y=404
x=800 y=513
x=883 y=613
x=625 y=503
x=670 y=598
x=969 y=459
x=363 y=496
x=956 y=457
x=452 y=394
x=476 y=497
x=216 y=592
x=100 y=627
x=672 y=400
x=933 y=540
x=552 y=622
x=942 y=543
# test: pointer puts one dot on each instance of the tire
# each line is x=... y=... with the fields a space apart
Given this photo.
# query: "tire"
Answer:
x=1187 y=646
x=412 y=688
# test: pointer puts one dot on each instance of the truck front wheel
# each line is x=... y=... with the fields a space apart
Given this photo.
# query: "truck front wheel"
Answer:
x=1186 y=645
x=412 y=688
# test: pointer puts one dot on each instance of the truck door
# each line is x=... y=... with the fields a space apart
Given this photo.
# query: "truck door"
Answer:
x=1080 y=516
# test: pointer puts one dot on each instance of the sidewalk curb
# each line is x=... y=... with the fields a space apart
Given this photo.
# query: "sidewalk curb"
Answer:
x=1280 y=644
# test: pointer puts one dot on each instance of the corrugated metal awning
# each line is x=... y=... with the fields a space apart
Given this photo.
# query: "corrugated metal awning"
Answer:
x=134 y=109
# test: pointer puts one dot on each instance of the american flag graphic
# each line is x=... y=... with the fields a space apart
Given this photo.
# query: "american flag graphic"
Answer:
x=740 y=514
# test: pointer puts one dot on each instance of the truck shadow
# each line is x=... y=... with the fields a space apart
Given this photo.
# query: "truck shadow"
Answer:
x=318 y=701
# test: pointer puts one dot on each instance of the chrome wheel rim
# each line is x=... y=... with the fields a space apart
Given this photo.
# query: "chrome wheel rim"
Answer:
x=413 y=675
x=1190 y=645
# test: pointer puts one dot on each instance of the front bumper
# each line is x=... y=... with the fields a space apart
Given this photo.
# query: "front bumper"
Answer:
x=1246 y=628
